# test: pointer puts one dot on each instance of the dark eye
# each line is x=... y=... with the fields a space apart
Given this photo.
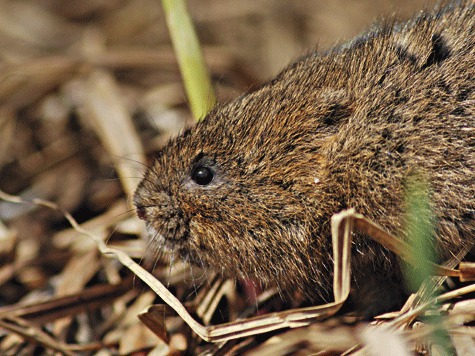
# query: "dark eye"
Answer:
x=202 y=175
x=141 y=213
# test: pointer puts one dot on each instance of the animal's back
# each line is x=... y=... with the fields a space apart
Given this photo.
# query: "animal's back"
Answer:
x=414 y=114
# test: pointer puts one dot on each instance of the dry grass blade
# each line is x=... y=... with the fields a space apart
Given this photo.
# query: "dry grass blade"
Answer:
x=396 y=245
x=113 y=216
x=7 y=127
x=208 y=305
x=34 y=334
x=55 y=308
x=154 y=318
x=22 y=84
x=317 y=337
x=467 y=271
x=114 y=126
x=406 y=318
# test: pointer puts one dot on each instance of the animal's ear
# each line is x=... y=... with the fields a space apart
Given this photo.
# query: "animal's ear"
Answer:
x=333 y=108
x=338 y=106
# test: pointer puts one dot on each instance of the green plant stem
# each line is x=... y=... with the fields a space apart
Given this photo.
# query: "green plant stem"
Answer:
x=195 y=75
x=421 y=234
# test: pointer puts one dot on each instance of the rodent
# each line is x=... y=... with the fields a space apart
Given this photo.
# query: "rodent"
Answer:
x=250 y=189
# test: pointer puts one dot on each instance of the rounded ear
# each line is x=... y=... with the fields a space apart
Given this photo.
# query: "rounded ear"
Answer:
x=337 y=106
x=331 y=109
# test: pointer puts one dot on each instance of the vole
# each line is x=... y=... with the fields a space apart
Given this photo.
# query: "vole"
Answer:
x=249 y=191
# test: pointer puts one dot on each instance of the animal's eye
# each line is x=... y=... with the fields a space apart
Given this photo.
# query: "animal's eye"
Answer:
x=141 y=213
x=202 y=175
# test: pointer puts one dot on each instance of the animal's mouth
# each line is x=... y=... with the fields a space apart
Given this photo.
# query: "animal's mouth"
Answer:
x=164 y=228
x=168 y=241
x=176 y=245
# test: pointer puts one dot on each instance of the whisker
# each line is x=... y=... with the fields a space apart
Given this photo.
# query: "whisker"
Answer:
x=128 y=211
x=131 y=160
x=172 y=260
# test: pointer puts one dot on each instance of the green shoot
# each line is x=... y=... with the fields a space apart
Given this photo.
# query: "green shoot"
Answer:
x=421 y=238
x=195 y=75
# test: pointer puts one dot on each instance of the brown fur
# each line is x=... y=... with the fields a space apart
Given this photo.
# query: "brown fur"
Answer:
x=335 y=130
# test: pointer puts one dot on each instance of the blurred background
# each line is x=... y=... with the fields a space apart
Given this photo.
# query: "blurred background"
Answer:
x=89 y=88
